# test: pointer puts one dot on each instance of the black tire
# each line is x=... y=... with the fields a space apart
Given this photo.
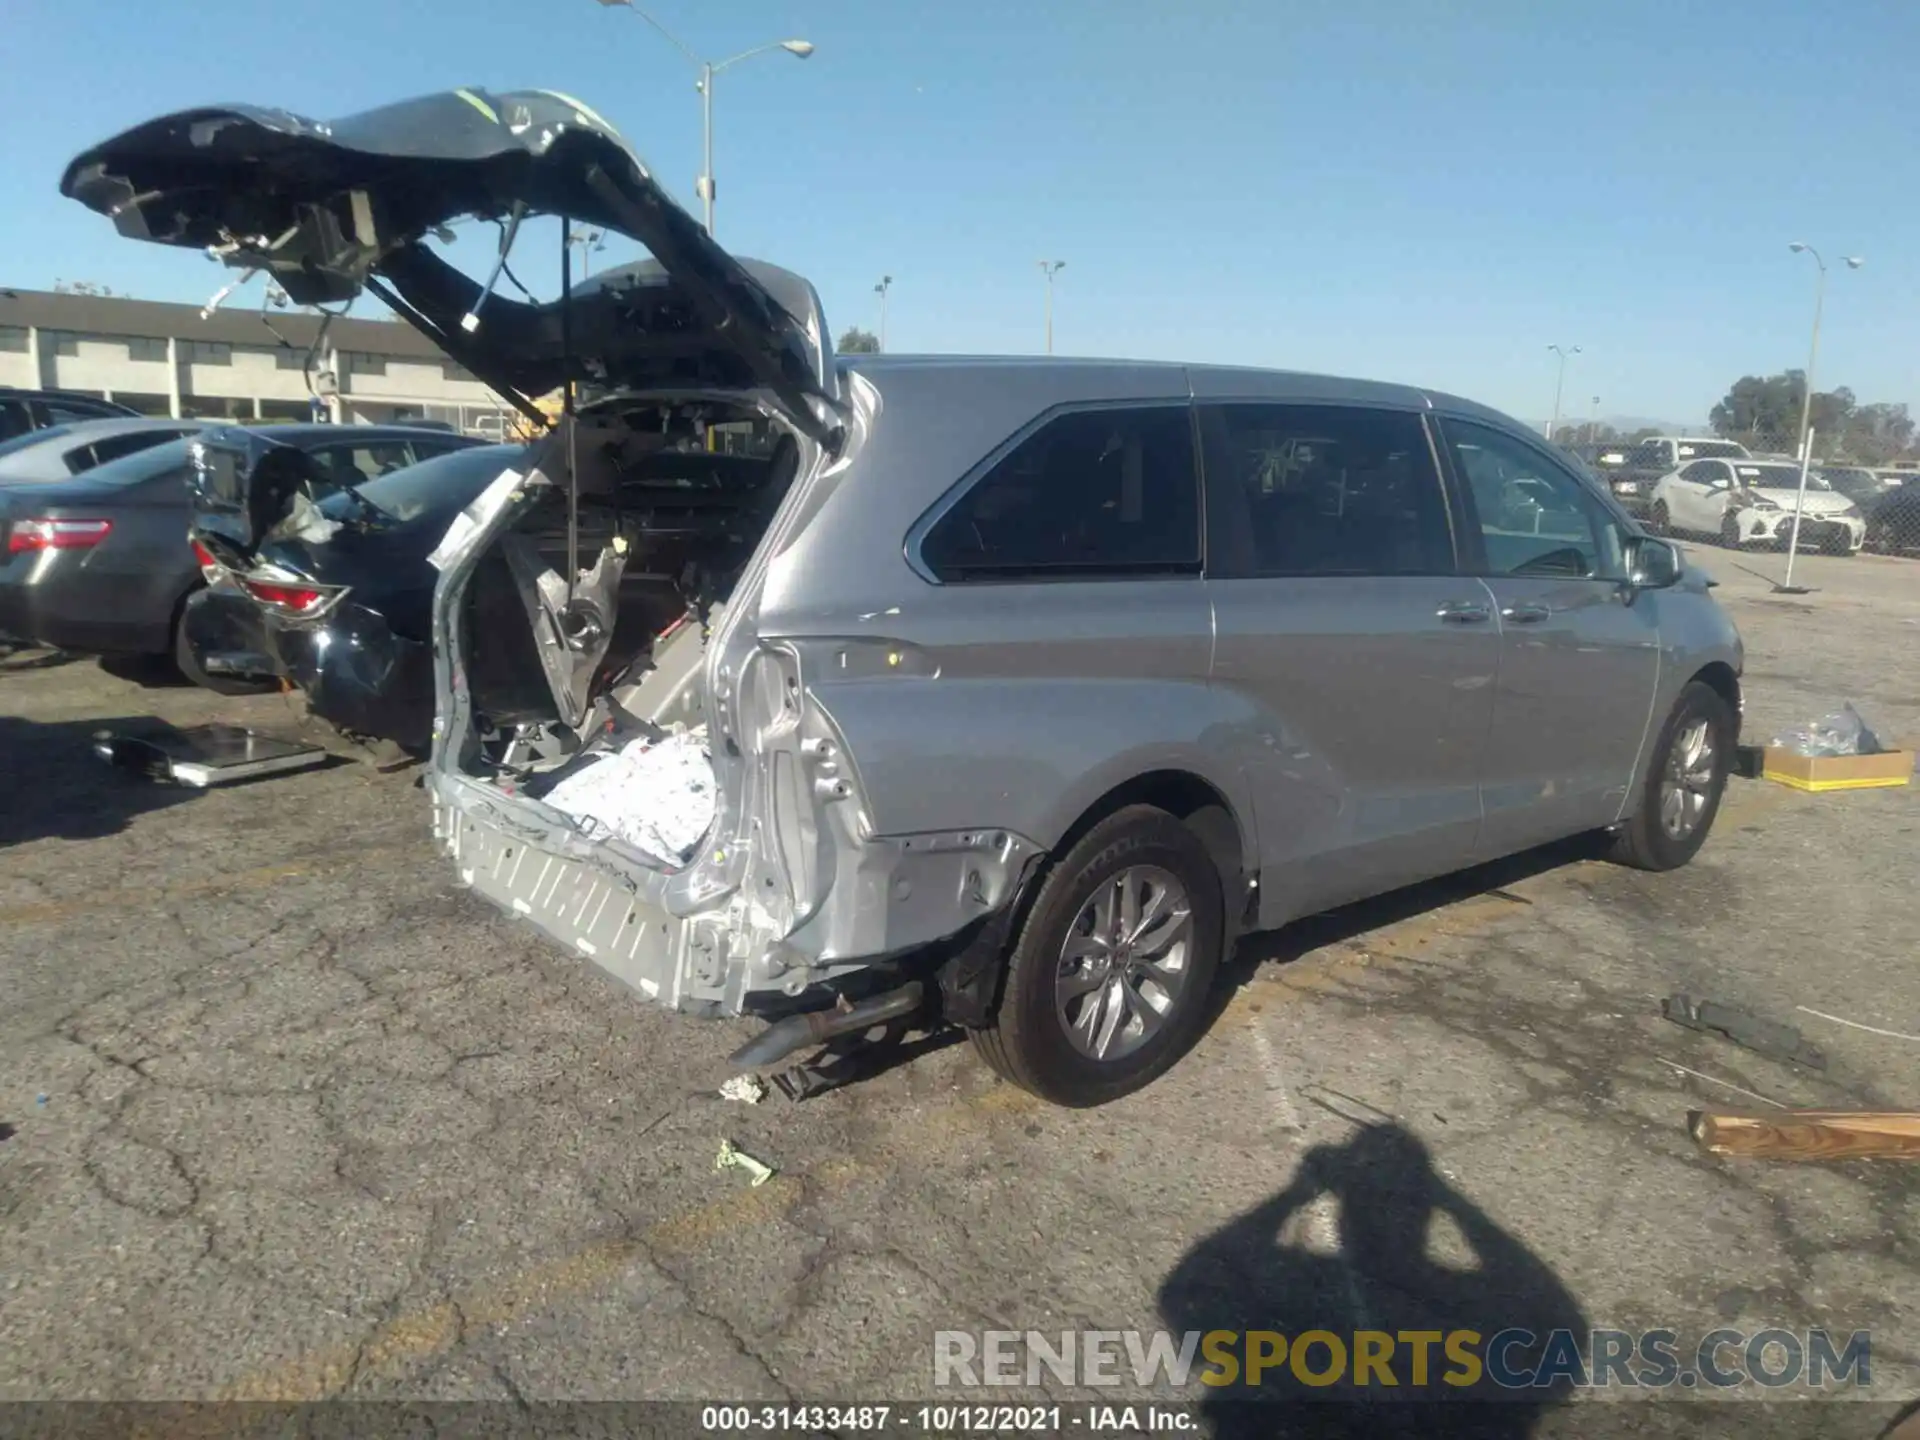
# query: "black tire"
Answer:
x=1027 y=1041
x=1644 y=842
x=1730 y=532
x=188 y=664
x=1659 y=521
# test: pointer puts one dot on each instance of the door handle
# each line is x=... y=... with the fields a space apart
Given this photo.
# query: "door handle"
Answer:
x=1464 y=612
x=1525 y=613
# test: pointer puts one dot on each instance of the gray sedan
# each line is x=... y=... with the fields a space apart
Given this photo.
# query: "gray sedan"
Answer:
x=60 y=452
x=99 y=562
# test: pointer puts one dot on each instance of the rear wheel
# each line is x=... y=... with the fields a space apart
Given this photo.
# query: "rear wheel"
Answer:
x=1685 y=779
x=188 y=664
x=1108 y=979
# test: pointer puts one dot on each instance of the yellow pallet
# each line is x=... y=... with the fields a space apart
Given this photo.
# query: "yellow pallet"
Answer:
x=1885 y=783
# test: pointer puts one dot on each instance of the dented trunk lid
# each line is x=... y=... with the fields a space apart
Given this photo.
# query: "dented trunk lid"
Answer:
x=330 y=208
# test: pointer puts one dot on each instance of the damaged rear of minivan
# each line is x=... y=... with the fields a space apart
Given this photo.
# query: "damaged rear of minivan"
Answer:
x=620 y=755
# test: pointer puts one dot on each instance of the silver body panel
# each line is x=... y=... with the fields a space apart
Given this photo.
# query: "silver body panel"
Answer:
x=891 y=751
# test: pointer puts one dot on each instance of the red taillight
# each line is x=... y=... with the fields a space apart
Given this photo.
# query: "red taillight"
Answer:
x=29 y=535
x=290 y=597
x=209 y=565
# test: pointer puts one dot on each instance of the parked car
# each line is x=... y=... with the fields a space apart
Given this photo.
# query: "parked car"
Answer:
x=1752 y=503
x=101 y=563
x=993 y=710
x=1893 y=521
x=1632 y=470
x=60 y=452
x=1612 y=462
x=343 y=605
x=1858 y=484
x=22 y=411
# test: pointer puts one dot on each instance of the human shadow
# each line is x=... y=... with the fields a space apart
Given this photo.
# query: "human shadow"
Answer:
x=1263 y=1272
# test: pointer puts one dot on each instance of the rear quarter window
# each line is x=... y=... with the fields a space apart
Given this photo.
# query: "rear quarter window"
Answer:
x=1091 y=494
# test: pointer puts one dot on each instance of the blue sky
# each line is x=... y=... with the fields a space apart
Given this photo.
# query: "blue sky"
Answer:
x=1421 y=190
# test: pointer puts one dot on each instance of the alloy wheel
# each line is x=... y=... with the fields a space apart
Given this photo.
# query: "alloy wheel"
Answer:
x=1687 y=788
x=1125 y=962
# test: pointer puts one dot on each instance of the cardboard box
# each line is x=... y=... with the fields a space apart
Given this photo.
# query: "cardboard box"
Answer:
x=1838 y=772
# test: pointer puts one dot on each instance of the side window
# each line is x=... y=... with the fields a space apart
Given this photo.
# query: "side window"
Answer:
x=1535 y=517
x=1701 y=472
x=1325 y=490
x=115 y=446
x=15 y=418
x=1090 y=494
x=346 y=465
x=60 y=413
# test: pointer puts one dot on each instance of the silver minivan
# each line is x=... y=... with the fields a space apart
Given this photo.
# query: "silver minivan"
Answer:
x=865 y=691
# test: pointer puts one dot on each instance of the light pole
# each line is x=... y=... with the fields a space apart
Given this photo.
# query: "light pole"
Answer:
x=708 y=69
x=1563 y=352
x=1050 y=268
x=589 y=240
x=1854 y=262
x=886 y=284
x=1593 y=421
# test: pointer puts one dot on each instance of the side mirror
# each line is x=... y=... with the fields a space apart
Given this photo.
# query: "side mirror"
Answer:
x=1652 y=564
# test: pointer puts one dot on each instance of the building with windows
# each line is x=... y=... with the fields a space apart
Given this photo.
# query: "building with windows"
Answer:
x=239 y=364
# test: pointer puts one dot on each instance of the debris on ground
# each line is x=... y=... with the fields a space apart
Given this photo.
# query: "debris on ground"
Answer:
x=1808 y=1134
x=657 y=796
x=1843 y=732
x=748 y=1089
x=1836 y=752
x=1743 y=1027
x=732 y=1157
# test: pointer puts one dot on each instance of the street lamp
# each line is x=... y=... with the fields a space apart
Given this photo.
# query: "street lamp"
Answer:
x=1050 y=268
x=1563 y=353
x=886 y=284
x=1854 y=262
x=589 y=240
x=800 y=49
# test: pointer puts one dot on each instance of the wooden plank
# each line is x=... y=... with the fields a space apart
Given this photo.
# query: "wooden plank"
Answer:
x=1808 y=1134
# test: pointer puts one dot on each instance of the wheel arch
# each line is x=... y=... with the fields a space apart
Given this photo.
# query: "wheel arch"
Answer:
x=1190 y=798
x=1724 y=681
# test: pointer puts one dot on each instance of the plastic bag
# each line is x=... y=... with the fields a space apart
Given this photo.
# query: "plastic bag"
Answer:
x=1841 y=733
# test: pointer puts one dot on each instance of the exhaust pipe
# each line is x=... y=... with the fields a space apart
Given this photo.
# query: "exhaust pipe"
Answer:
x=816 y=1027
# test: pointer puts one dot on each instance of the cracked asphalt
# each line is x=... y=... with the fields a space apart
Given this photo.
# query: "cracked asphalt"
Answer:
x=291 y=1116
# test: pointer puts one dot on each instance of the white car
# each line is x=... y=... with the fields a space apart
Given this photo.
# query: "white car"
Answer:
x=1751 y=502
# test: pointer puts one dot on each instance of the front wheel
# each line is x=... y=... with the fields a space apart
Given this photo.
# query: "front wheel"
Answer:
x=1686 y=776
x=1107 y=983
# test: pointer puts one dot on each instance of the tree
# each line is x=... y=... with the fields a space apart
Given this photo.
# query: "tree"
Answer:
x=1584 y=433
x=1763 y=412
x=1878 y=434
x=858 y=342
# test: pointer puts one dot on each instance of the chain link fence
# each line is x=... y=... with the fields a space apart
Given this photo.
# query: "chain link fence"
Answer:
x=1748 y=493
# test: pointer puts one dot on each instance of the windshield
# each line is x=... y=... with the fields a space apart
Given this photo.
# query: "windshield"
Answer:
x=1711 y=450
x=142 y=464
x=33 y=437
x=1777 y=477
x=440 y=485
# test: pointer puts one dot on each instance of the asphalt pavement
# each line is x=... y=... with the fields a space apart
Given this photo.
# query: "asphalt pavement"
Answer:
x=291 y=1116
